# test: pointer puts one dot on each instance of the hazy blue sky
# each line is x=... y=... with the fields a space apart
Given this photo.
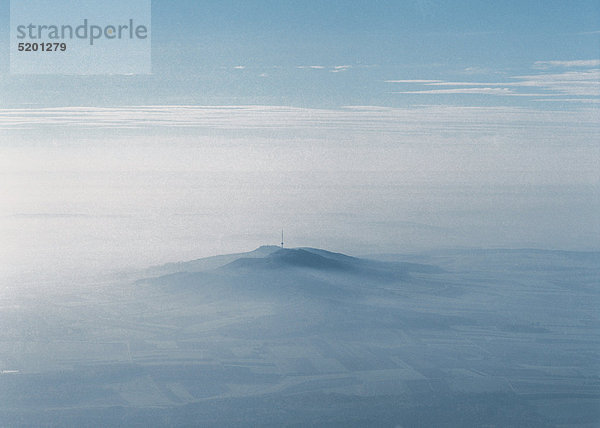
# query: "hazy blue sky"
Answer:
x=200 y=47
x=361 y=126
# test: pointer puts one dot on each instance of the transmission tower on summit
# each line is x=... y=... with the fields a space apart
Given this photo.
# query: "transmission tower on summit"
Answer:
x=281 y=238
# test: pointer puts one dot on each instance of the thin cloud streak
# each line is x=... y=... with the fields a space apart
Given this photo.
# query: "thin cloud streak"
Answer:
x=413 y=81
x=579 y=83
x=572 y=100
x=359 y=123
x=487 y=91
x=576 y=63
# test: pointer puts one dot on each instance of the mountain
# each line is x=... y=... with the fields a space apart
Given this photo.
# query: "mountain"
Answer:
x=300 y=258
x=276 y=272
x=199 y=265
x=309 y=337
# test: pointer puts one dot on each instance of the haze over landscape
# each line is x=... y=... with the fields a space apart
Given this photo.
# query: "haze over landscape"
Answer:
x=386 y=127
x=304 y=336
x=434 y=166
x=139 y=186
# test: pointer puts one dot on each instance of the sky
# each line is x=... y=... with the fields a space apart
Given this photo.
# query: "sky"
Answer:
x=358 y=126
x=335 y=53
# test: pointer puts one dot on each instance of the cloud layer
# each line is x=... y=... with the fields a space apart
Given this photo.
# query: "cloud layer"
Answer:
x=581 y=79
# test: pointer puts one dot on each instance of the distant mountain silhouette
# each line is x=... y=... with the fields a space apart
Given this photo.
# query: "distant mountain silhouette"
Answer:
x=274 y=271
x=207 y=263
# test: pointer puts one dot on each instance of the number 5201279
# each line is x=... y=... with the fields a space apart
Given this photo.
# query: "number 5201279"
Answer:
x=42 y=47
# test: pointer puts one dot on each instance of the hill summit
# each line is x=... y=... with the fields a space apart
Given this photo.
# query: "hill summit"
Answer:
x=297 y=257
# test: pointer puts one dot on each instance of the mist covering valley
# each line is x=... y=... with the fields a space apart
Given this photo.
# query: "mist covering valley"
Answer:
x=304 y=336
x=434 y=165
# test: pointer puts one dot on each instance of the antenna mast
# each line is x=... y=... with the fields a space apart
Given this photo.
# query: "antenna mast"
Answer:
x=281 y=238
